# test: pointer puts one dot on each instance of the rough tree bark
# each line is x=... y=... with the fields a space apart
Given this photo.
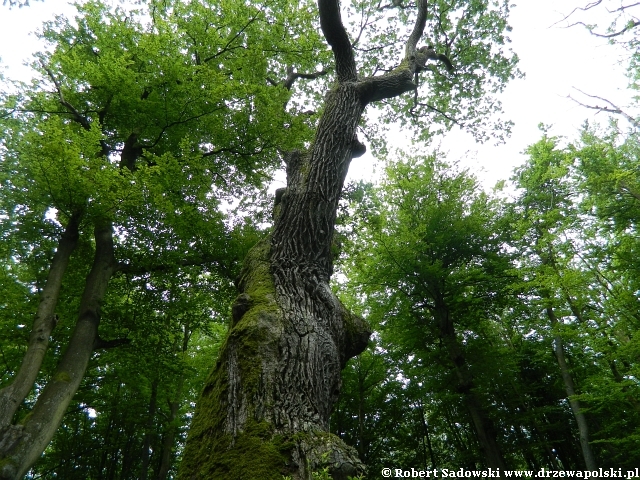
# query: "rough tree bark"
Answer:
x=265 y=408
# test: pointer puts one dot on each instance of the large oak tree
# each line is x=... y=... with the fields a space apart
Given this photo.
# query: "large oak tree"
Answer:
x=265 y=408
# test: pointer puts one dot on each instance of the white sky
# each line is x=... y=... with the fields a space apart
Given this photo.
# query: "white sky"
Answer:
x=555 y=60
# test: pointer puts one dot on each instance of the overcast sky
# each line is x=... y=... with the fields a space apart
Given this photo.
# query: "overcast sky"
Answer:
x=556 y=60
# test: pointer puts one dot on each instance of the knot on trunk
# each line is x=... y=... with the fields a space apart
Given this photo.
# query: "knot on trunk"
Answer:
x=319 y=450
x=241 y=306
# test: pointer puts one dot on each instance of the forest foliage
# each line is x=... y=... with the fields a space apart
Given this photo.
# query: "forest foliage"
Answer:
x=504 y=321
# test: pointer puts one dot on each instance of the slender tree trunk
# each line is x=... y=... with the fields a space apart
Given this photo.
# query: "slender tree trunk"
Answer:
x=543 y=439
x=106 y=445
x=125 y=456
x=31 y=438
x=548 y=257
x=45 y=321
x=427 y=436
x=146 y=445
x=168 y=440
x=361 y=394
x=458 y=440
x=581 y=420
x=483 y=426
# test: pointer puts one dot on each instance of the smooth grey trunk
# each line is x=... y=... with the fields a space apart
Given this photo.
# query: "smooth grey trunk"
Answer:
x=548 y=257
x=31 y=438
x=569 y=385
x=12 y=396
x=483 y=426
x=146 y=445
x=168 y=439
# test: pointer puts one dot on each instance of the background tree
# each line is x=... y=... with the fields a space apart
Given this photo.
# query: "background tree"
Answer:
x=420 y=238
x=119 y=156
x=547 y=209
x=434 y=275
x=570 y=250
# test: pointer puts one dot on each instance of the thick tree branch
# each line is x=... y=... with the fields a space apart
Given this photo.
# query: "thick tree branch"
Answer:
x=418 y=29
x=77 y=117
x=106 y=344
x=401 y=79
x=292 y=76
x=336 y=36
x=393 y=84
x=200 y=261
x=75 y=114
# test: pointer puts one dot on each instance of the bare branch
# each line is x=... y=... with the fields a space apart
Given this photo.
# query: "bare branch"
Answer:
x=612 y=108
x=178 y=122
x=437 y=110
x=630 y=26
x=623 y=7
x=584 y=9
x=228 y=47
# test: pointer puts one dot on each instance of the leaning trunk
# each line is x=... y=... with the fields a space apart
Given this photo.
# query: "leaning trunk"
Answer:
x=265 y=408
x=483 y=426
x=21 y=445
x=581 y=420
x=45 y=321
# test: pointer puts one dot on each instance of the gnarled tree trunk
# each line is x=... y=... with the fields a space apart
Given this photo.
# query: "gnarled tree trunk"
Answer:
x=265 y=408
